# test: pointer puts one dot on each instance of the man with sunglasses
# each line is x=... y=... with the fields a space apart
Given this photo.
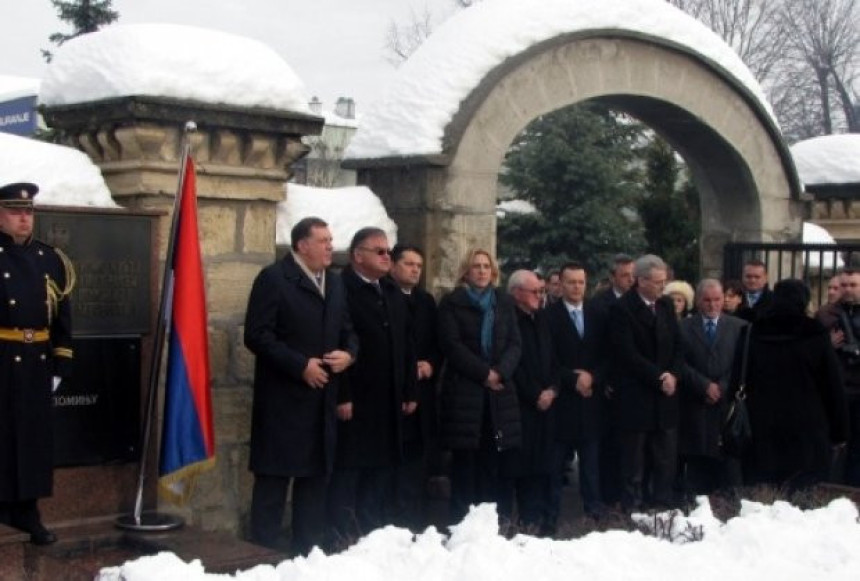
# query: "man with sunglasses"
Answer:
x=379 y=391
x=35 y=353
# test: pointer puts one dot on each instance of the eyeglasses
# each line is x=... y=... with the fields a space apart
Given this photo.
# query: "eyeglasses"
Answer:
x=532 y=291
x=376 y=251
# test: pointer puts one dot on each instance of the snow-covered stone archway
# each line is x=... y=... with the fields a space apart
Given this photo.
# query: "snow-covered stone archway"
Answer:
x=433 y=147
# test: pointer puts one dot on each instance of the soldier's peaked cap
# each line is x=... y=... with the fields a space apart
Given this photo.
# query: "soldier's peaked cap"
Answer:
x=19 y=194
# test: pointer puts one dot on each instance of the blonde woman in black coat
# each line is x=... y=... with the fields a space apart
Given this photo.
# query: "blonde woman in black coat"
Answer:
x=479 y=409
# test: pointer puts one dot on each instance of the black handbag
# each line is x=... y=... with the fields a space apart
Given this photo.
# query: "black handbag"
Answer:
x=737 y=430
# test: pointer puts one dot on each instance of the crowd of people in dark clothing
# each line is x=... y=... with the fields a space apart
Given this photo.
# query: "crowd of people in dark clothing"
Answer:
x=365 y=390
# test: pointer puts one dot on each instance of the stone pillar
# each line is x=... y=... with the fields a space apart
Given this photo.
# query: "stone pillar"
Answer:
x=242 y=158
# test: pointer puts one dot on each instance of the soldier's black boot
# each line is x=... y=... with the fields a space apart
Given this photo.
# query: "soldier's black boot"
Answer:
x=24 y=515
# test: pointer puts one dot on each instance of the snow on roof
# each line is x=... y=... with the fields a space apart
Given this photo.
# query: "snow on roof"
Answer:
x=169 y=60
x=332 y=119
x=418 y=104
x=345 y=209
x=829 y=159
x=815 y=234
x=65 y=176
x=16 y=87
x=777 y=541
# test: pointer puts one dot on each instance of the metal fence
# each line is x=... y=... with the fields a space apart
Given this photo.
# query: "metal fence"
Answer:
x=814 y=264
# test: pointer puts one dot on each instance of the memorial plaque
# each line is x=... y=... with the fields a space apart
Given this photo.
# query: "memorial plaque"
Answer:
x=96 y=411
x=112 y=254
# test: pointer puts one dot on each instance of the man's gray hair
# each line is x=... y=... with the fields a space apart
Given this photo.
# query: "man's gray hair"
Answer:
x=518 y=278
x=645 y=264
x=619 y=260
x=708 y=283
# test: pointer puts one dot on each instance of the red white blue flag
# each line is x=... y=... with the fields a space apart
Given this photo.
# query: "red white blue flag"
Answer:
x=187 y=440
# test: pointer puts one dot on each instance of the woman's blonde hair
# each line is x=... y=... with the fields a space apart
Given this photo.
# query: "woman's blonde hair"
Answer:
x=466 y=264
x=682 y=288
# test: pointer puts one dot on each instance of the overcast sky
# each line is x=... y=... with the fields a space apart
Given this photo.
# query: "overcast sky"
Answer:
x=335 y=46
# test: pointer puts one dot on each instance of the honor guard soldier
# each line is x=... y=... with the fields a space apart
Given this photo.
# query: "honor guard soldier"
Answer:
x=35 y=354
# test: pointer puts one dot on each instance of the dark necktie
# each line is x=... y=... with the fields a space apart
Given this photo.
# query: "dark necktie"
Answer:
x=711 y=331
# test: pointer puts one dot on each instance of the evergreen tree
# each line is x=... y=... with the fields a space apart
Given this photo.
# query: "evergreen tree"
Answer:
x=84 y=16
x=576 y=165
x=670 y=211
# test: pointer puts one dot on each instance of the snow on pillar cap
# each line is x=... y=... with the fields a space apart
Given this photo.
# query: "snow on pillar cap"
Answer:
x=173 y=61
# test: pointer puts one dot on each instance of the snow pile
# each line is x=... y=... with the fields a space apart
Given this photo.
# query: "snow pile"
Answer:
x=65 y=176
x=346 y=210
x=815 y=234
x=514 y=207
x=12 y=88
x=775 y=541
x=169 y=60
x=829 y=159
x=411 y=117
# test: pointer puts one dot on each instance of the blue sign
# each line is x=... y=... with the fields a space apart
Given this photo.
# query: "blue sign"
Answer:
x=18 y=116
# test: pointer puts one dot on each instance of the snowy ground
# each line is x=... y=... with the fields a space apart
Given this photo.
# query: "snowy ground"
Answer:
x=766 y=542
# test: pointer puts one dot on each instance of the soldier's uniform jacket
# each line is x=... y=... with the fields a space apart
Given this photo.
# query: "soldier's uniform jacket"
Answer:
x=35 y=344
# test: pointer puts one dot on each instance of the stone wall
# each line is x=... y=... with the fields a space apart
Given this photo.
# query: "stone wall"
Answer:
x=242 y=159
x=839 y=216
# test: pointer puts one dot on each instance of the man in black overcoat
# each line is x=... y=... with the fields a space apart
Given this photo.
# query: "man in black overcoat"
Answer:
x=620 y=281
x=578 y=333
x=298 y=326
x=380 y=391
x=537 y=387
x=648 y=362
x=35 y=354
x=710 y=343
x=421 y=429
x=843 y=321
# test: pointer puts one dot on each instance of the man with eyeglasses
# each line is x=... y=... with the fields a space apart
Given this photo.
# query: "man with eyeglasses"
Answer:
x=537 y=387
x=35 y=353
x=648 y=360
x=380 y=390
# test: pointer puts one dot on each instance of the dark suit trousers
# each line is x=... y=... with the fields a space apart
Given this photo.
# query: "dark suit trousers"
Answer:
x=358 y=500
x=533 y=502
x=661 y=447
x=852 y=454
x=267 y=511
x=475 y=479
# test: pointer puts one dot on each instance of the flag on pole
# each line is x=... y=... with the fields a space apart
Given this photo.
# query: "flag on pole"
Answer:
x=187 y=440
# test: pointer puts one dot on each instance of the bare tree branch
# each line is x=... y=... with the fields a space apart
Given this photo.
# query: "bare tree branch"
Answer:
x=823 y=34
x=404 y=39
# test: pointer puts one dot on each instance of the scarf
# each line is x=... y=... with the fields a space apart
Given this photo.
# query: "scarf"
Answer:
x=486 y=302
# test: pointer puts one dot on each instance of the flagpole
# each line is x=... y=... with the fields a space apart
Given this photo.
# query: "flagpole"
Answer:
x=153 y=520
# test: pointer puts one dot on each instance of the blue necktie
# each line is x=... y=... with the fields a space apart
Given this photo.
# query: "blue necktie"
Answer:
x=576 y=315
x=711 y=331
